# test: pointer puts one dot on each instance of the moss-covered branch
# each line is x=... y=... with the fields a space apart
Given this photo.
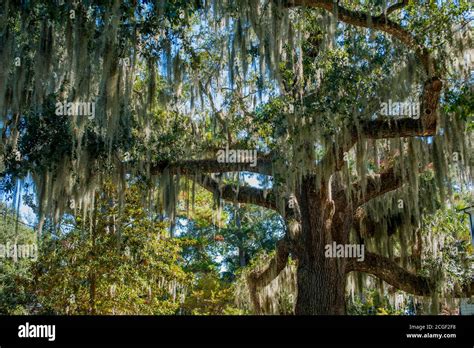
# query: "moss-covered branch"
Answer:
x=263 y=166
x=380 y=22
x=390 y=272
x=261 y=278
x=234 y=193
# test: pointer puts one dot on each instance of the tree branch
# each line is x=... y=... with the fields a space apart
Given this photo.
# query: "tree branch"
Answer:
x=233 y=193
x=391 y=273
x=377 y=185
x=423 y=126
x=263 y=166
x=381 y=22
x=261 y=278
x=396 y=7
x=365 y=225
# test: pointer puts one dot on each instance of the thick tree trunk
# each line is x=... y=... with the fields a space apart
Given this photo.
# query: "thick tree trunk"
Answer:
x=320 y=280
x=320 y=289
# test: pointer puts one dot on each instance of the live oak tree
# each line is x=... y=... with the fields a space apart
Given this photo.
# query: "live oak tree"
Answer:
x=323 y=202
x=302 y=82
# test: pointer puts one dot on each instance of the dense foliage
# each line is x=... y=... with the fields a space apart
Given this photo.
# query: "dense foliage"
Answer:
x=134 y=211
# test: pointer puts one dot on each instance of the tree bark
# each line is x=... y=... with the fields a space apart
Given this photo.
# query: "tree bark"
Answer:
x=321 y=288
x=320 y=280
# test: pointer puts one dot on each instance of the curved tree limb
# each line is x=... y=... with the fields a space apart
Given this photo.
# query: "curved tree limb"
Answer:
x=423 y=126
x=380 y=22
x=396 y=7
x=233 y=193
x=261 y=278
x=377 y=185
x=263 y=166
x=365 y=225
x=390 y=272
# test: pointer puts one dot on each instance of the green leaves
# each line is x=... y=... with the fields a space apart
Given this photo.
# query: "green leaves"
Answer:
x=15 y=276
x=107 y=268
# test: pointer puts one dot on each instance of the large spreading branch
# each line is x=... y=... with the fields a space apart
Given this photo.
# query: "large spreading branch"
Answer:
x=385 y=128
x=380 y=22
x=395 y=7
x=234 y=193
x=387 y=181
x=377 y=185
x=423 y=126
x=370 y=225
x=390 y=272
x=263 y=166
x=261 y=278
